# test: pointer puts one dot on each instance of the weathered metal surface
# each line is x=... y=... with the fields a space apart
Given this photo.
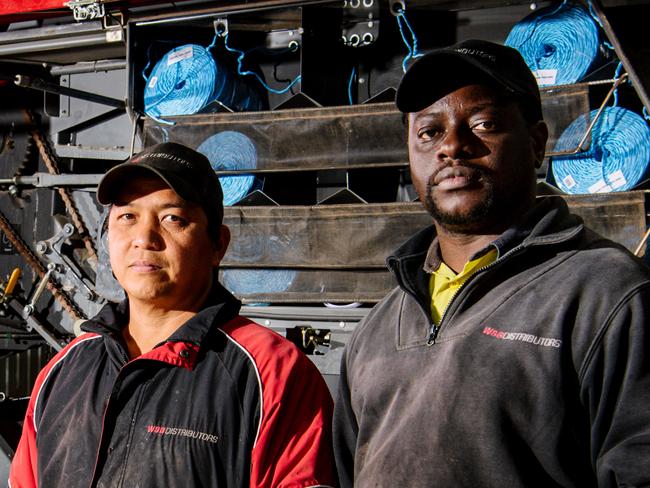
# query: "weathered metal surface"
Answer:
x=326 y=237
x=301 y=139
x=337 y=253
x=342 y=137
x=18 y=371
x=620 y=217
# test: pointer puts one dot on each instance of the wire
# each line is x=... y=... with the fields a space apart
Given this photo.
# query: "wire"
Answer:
x=242 y=72
x=594 y=16
x=353 y=75
x=616 y=160
x=411 y=46
x=559 y=44
x=617 y=74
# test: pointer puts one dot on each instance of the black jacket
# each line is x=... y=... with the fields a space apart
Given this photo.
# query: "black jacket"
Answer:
x=223 y=402
x=539 y=375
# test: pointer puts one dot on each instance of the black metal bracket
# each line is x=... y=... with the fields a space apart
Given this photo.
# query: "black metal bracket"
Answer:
x=46 y=86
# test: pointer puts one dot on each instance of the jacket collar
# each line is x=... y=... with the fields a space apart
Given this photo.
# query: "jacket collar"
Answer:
x=220 y=307
x=548 y=222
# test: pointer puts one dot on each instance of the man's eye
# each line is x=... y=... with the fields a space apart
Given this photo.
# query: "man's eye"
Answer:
x=428 y=133
x=125 y=216
x=486 y=125
x=175 y=219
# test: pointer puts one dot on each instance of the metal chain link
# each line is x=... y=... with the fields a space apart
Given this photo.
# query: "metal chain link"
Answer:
x=50 y=160
x=24 y=250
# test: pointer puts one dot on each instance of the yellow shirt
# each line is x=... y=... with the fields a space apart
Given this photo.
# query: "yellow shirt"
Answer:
x=444 y=282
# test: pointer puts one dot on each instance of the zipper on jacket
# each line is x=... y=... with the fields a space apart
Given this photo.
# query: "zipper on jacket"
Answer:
x=435 y=329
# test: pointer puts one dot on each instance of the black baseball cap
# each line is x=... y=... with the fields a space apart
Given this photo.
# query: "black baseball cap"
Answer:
x=441 y=71
x=185 y=170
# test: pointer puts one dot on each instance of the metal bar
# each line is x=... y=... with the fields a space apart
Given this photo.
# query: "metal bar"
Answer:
x=579 y=148
x=325 y=314
x=639 y=248
x=50 y=32
x=42 y=85
x=53 y=44
x=89 y=67
x=637 y=82
x=47 y=180
x=34 y=324
x=228 y=9
x=92 y=122
x=28 y=310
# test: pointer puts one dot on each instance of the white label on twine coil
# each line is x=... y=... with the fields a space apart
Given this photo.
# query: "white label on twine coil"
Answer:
x=569 y=182
x=600 y=187
x=153 y=81
x=180 y=55
x=545 y=76
x=617 y=179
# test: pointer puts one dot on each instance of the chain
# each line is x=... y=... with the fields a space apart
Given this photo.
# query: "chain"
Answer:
x=52 y=165
x=33 y=261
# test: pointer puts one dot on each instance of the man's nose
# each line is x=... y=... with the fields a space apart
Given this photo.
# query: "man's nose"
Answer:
x=147 y=235
x=456 y=143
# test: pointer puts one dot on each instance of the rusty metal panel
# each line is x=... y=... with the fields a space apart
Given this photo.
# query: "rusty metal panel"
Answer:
x=343 y=137
x=337 y=253
x=328 y=236
x=300 y=139
x=561 y=105
x=310 y=286
x=620 y=217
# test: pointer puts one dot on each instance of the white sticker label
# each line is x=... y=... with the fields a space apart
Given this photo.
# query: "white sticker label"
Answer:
x=545 y=76
x=617 y=179
x=600 y=187
x=180 y=55
x=569 y=182
x=153 y=81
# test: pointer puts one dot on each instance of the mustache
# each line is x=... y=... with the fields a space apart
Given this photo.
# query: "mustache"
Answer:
x=457 y=168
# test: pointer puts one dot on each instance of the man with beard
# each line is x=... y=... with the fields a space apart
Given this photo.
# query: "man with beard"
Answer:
x=512 y=351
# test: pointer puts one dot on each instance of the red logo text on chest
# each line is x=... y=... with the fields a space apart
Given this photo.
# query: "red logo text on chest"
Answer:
x=179 y=431
x=522 y=337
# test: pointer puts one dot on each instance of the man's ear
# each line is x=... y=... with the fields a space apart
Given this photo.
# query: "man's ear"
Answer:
x=539 y=136
x=221 y=246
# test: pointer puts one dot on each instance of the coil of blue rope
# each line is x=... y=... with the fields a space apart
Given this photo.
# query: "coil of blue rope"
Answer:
x=181 y=83
x=231 y=151
x=559 y=44
x=257 y=281
x=617 y=158
x=188 y=79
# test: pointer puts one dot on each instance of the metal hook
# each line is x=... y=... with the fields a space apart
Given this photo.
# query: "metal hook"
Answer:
x=221 y=27
x=397 y=7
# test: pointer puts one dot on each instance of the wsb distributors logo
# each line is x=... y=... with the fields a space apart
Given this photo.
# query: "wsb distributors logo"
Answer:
x=178 y=431
x=523 y=337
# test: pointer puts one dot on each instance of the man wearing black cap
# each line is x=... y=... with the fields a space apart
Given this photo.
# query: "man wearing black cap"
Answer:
x=172 y=387
x=514 y=352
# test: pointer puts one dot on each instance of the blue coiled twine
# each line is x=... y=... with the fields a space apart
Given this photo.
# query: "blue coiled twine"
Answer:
x=181 y=83
x=231 y=151
x=187 y=79
x=616 y=160
x=559 y=44
x=262 y=281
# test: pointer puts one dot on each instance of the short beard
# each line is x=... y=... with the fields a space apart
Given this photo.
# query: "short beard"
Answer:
x=474 y=220
x=486 y=216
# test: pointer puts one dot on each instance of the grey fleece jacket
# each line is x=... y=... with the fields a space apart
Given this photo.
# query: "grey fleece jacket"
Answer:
x=539 y=375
